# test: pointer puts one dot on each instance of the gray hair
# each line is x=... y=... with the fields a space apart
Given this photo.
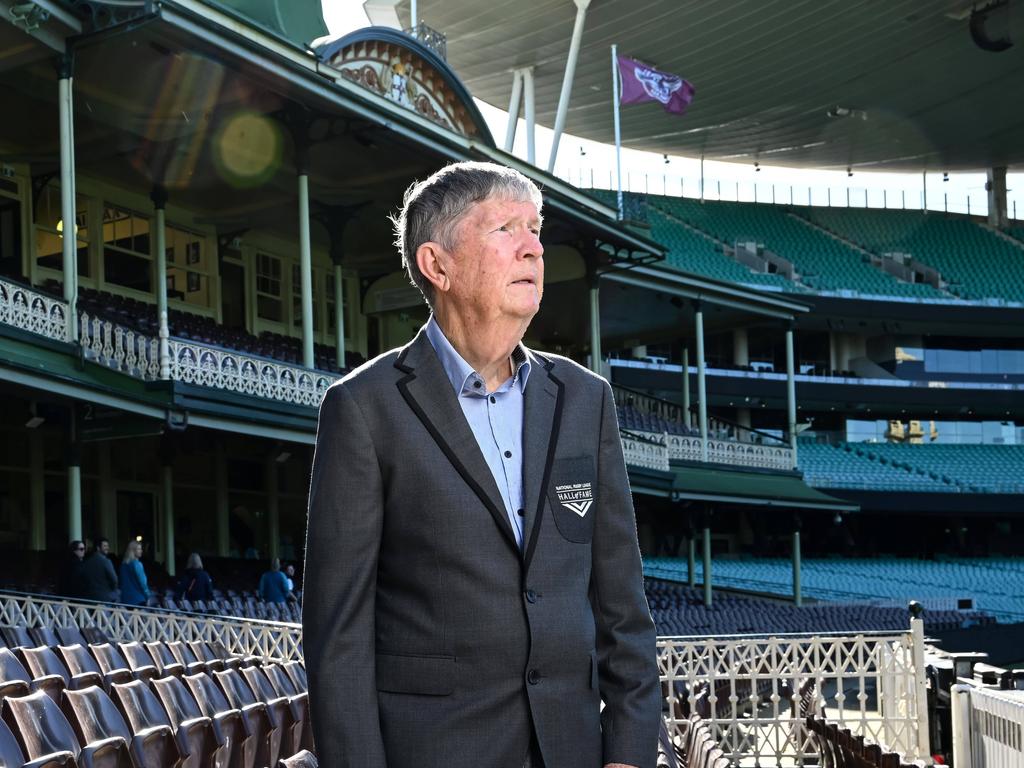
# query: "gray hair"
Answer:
x=431 y=209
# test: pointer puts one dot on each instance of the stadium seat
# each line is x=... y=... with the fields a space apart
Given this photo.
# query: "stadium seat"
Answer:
x=213 y=663
x=184 y=656
x=94 y=635
x=95 y=718
x=227 y=750
x=11 y=755
x=15 y=679
x=17 y=637
x=139 y=660
x=240 y=696
x=249 y=724
x=291 y=710
x=44 y=636
x=70 y=636
x=112 y=662
x=144 y=712
x=43 y=732
x=43 y=662
x=80 y=661
x=165 y=660
x=285 y=686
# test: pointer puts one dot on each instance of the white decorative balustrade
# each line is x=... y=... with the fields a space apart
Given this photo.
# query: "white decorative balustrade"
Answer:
x=645 y=450
x=269 y=640
x=33 y=311
x=732 y=452
x=191 y=362
x=749 y=689
x=209 y=366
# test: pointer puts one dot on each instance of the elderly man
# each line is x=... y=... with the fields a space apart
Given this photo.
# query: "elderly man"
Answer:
x=473 y=582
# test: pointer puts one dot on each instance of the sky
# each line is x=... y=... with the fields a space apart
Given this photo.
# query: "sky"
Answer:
x=587 y=163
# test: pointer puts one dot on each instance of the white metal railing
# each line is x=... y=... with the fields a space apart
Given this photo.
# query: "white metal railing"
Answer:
x=33 y=311
x=278 y=641
x=191 y=362
x=872 y=683
x=645 y=449
x=731 y=452
x=988 y=727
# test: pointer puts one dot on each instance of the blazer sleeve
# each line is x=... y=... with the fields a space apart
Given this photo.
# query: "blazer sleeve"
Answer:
x=343 y=539
x=626 y=651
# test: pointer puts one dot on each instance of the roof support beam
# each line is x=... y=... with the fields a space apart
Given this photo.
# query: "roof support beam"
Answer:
x=513 y=110
x=531 y=116
x=570 y=73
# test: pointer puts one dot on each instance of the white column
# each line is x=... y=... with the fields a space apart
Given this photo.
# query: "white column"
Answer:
x=74 y=482
x=513 y=110
x=37 y=492
x=707 y=563
x=995 y=185
x=339 y=316
x=414 y=17
x=790 y=394
x=159 y=198
x=702 y=389
x=69 y=240
x=167 y=501
x=570 y=73
x=595 y=326
x=686 y=387
x=740 y=347
x=798 y=599
x=222 y=501
x=273 y=509
x=531 y=116
x=306 y=271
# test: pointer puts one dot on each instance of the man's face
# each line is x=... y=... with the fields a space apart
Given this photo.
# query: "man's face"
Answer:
x=105 y=547
x=497 y=265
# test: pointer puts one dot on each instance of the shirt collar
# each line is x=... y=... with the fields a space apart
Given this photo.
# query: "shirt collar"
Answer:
x=461 y=374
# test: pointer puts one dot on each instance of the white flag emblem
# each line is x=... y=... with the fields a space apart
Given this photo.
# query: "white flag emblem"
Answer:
x=575 y=496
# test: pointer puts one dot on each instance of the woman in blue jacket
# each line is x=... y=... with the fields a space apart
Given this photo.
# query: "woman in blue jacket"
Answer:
x=134 y=588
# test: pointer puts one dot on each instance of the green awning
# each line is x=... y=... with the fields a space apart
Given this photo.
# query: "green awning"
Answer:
x=301 y=21
x=767 y=489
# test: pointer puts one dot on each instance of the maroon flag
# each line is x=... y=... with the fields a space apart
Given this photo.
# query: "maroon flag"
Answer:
x=642 y=83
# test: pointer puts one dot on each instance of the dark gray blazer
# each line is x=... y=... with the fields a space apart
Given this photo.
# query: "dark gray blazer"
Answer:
x=430 y=639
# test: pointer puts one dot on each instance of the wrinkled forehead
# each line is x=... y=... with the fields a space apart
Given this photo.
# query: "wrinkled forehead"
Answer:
x=500 y=206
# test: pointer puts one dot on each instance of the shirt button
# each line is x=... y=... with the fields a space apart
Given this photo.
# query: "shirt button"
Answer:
x=533 y=677
x=508 y=454
x=492 y=399
x=531 y=596
x=476 y=385
x=520 y=511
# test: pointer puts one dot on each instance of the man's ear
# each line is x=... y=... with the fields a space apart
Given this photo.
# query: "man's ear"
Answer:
x=430 y=258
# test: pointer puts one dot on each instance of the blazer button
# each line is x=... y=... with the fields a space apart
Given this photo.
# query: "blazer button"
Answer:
x=531 y=596
x=533 y=677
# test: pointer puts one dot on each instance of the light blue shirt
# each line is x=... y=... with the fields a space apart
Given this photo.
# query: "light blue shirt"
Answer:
x=496 y=419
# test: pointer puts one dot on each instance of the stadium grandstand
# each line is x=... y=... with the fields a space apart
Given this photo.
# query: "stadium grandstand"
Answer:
x=820 y=407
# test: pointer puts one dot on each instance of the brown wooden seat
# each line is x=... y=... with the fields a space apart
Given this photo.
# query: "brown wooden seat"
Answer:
x=181 y=708
x=250 y=726
x=44 y=735
x=193 y=738
x=94 y=717
x=240 y=696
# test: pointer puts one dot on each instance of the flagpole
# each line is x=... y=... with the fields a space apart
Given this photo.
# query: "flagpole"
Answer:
x=618 y=134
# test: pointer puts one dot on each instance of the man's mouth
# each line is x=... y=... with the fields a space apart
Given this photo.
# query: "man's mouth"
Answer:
x=524 y=281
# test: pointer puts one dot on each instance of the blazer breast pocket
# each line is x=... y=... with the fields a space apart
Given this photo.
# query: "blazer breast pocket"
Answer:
x=572 y=494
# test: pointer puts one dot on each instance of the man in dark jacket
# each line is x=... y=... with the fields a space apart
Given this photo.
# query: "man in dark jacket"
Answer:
x=99 y=582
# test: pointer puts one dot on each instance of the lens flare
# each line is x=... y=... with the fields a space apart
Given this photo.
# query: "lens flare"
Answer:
x=247 y=149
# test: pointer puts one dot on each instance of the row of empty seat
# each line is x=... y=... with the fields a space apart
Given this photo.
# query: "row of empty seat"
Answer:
x=933 y=468
x=994 y=585
x=679 y=610
x=147 y=705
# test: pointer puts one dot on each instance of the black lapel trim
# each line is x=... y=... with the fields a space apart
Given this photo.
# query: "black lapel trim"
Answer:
x=552 y=445
x=499 y=515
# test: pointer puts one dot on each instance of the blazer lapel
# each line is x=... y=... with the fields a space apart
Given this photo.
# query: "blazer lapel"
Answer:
x=429 y=393
x=542 y=415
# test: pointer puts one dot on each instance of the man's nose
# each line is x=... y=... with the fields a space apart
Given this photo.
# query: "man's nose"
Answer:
x=531 y=247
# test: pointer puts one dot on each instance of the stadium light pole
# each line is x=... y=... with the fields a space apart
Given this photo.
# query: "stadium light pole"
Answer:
x=69 y=233
x=618 y=128
x=570 y=73
x=513 y=110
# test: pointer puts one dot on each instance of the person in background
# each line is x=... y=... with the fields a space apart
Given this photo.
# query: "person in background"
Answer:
x=99 y=582
x=70 y=584
x=134 y=588
x=274 y=584
x=195 y=583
